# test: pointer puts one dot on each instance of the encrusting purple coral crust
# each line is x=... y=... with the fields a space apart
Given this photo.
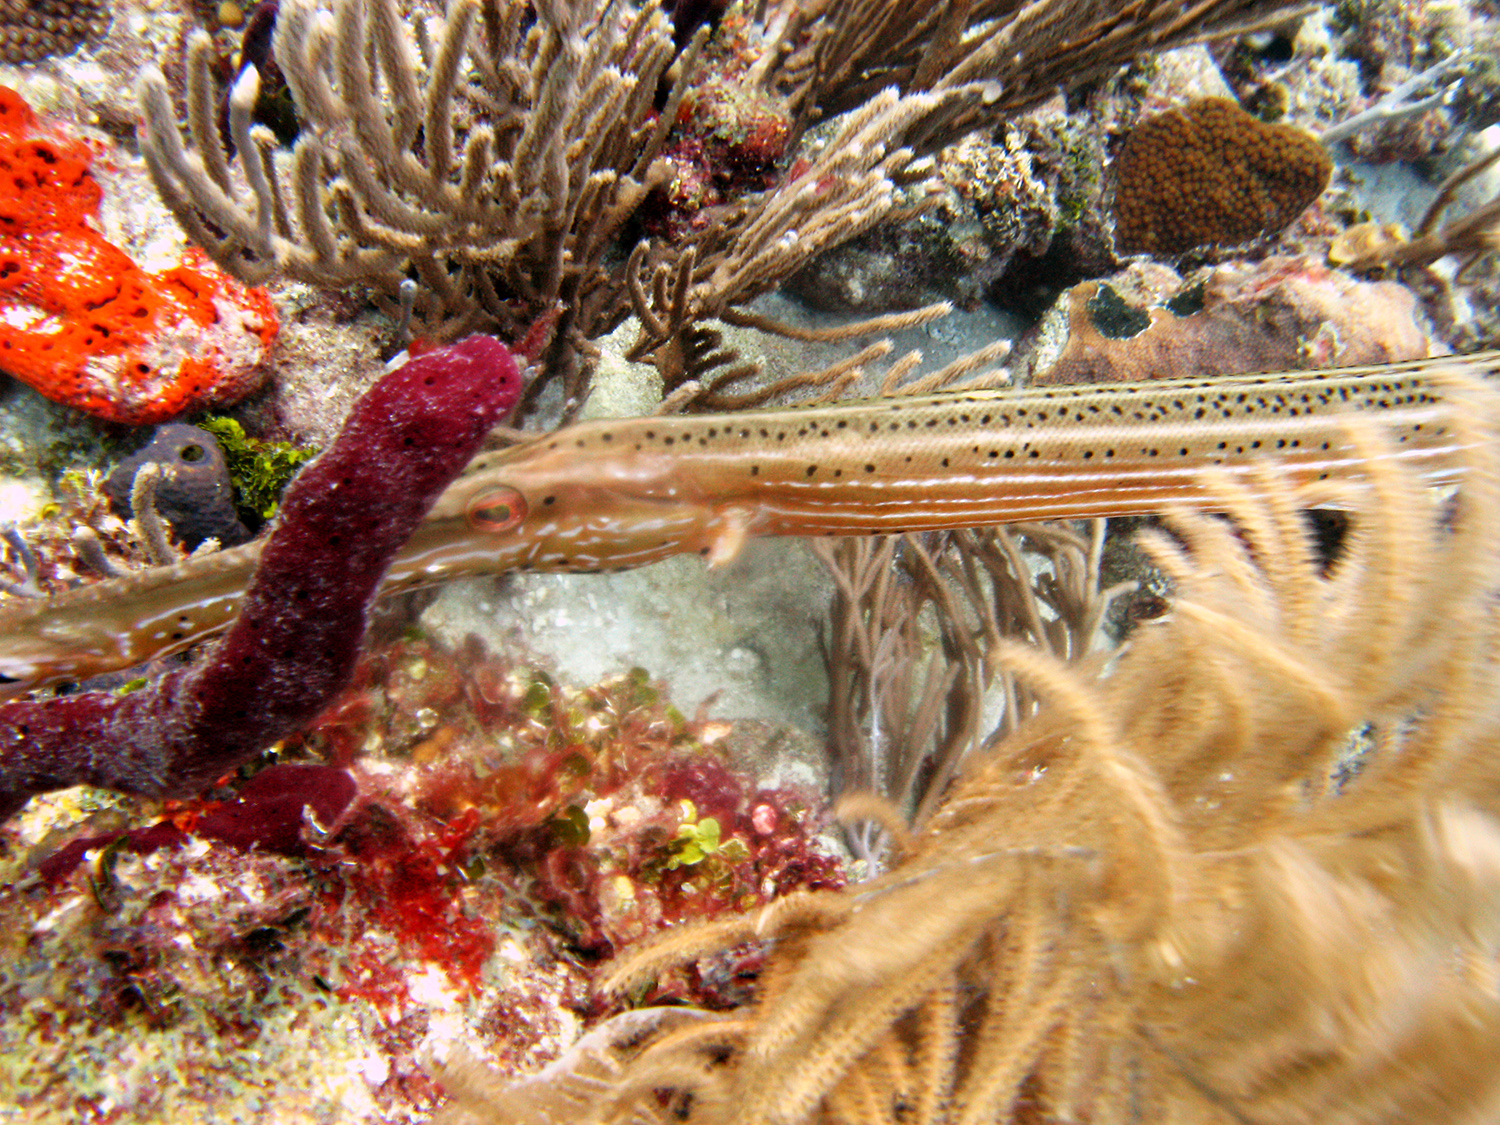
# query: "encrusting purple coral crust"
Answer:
x=299 y=633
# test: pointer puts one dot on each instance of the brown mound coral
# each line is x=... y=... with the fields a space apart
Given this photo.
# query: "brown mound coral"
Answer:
x=1208 y=172
x=34 y=29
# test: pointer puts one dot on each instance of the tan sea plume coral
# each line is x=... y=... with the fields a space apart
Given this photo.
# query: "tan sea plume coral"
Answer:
x=499 y=158
x=1249 y=873
x=496 y=168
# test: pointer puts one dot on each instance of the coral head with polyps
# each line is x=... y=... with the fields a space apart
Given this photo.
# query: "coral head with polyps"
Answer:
x=1210 y=173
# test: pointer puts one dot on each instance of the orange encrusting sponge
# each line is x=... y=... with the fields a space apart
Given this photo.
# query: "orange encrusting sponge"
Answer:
x=83 y=324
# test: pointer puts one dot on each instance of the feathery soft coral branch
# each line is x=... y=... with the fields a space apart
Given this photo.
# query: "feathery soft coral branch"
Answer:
x=298 y=635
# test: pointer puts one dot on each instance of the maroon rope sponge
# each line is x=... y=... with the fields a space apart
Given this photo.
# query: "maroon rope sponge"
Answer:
x=299 y=632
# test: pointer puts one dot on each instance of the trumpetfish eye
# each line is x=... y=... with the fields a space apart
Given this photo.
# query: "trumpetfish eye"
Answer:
x=497 y=509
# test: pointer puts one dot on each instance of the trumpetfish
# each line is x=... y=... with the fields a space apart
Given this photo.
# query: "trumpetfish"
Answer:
x=626 y=492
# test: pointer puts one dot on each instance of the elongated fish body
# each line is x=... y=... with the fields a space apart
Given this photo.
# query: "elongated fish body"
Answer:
x=623 y=493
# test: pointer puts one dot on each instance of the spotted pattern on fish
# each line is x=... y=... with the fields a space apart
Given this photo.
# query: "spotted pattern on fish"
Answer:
x=609 y=495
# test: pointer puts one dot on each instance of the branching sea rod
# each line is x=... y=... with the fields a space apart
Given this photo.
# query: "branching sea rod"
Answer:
x=296 y=641
x=608 y=495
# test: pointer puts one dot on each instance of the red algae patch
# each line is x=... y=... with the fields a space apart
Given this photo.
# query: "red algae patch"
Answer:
x=442 y=860
x=83 y=324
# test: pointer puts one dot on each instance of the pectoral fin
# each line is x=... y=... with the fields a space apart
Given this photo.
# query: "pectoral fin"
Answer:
x=728 y=535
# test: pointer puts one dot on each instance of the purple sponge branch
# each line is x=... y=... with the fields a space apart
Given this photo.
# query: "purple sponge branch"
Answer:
x=298 y=635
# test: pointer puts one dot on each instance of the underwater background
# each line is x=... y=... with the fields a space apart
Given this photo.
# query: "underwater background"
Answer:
x=789 y=788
